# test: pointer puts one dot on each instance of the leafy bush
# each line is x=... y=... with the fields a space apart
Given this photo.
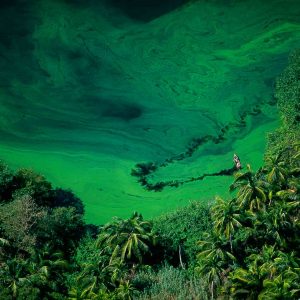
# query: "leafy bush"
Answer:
x=170 y=283
x=180 y=230
x=288 y=100
x=6 y=177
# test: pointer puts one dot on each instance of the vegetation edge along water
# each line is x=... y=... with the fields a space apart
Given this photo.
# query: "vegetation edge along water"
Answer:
x=246 y=247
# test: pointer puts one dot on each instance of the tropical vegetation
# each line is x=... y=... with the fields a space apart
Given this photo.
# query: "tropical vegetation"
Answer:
x=246 y=247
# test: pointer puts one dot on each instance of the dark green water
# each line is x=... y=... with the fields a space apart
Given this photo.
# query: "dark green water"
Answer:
x=88 y=89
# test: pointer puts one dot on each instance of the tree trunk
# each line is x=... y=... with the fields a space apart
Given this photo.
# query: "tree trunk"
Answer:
x=180 y=259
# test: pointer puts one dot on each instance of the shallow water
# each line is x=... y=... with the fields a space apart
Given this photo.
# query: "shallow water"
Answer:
x=89 y=89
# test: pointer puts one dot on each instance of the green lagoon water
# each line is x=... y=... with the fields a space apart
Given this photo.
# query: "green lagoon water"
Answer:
x=88 y=89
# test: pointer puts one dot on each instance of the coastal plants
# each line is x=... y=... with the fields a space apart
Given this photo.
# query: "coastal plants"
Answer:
x=128 y=240
x=251 y=190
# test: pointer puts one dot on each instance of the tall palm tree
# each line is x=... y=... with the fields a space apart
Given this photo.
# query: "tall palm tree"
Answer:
x=212 y=271
x=276 y=171
x=251 y=189
x=127 y=239
x=226 y=218
x=213 y=260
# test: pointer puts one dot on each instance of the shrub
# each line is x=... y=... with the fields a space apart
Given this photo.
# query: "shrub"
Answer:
x=171 y=283
x=181 y=229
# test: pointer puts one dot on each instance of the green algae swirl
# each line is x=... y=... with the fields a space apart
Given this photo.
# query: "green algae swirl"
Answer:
x=89 y=89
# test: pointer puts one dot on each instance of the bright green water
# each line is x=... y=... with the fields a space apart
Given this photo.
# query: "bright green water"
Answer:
x=88 y=90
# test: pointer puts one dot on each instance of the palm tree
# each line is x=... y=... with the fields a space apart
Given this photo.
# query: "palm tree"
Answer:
x=79 y=293
x=251 y=189
x=36 y=272
x=281 y=287
x=213 y=272
x=263 y=230
x=96 y=280
x=114 y=273
x=277 y=173
x=46 y=264
x=127 y=239
x=45 y=270
x=282 y=283
x=86 y=286
x=245 y=284
x=288 y=266
x=13 y=274
x=226 y=218
x=213 y=260
x=4 y=242
x=124 y=291
x=270 y=274
x=214 y=246
x=282 y=167
x=248 y=283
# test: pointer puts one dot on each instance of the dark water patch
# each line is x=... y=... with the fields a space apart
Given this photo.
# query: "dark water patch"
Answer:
x=125 y=112
x=111 y=108
x=146 y=10
x=16 y=45
x=9 y=3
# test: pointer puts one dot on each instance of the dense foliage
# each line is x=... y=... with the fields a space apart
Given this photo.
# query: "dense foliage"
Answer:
x=179 y=231
x=253 y=251
x=39 y=231
x=246 y=247
x=287 y=94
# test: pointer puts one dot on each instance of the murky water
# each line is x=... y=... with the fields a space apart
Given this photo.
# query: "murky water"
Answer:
x=89 y=89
